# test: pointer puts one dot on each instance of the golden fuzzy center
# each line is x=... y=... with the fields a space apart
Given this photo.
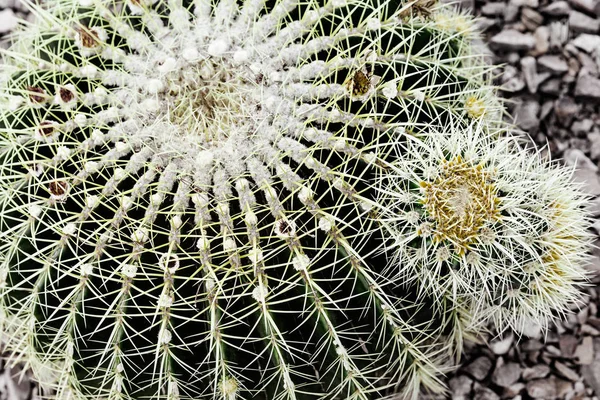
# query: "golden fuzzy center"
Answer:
x=460 y=201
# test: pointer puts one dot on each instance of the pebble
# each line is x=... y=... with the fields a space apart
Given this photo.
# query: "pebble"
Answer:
x=542 y=40
x=591 y=375
x=559 y=34
x=479 y=368
x=585 y=351
x=485 y=394
x=17 y=388
x=551 y=86
x=501 y=347
x=584 y=5
x=493 y=9
x=586 y=42
x=511 y=39
x=555 y=64
x=525 y=3
x=526 y=115
x=8 y=21
x=507 y=374
x=557 y=9
x=542 y=388
x=513 y=390
x=531 y=18
x=582 y=127
x=536 y=372
x=529 y=68
x=580 y=22
x=460 y=385
x=568 y=344
x=566 y=371
x=588 y=87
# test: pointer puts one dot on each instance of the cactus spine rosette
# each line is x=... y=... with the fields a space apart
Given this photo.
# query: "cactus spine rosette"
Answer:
x=494 y=231
x=197 y=198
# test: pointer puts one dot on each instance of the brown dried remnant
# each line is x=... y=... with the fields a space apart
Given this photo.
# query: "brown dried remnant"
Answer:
x=89 y=38
x=65 y=94
x=46 y=128
x=419 y=8
x=360 y=84
x=36 y=94
x=58 y=188
x=284 y=227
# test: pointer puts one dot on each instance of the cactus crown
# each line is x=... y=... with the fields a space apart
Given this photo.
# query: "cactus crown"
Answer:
x=224 y=199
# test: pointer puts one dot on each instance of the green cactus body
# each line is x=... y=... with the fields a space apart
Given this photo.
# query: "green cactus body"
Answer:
x=202 y=200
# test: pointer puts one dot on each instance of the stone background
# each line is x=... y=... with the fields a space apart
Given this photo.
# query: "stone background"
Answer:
x=549 y=57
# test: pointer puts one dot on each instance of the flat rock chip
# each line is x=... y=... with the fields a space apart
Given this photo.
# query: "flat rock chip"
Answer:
x=588 y=87
x=536 y=372
x=507 y=374
x=8 y=21
x=542 y=388
x=479 y=368
x=512 y=40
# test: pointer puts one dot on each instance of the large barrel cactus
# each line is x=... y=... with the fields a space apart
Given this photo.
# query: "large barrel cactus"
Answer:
x=265 y=199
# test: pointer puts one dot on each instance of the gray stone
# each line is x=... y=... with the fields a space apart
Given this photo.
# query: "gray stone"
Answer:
x=546 y=110
x=513 y=390
x=20 y=6
x=460 y=385
x=564 y=389
x=554 y=64
x=525 y=3
x=514 y=84
x=588 y=87
x=18 y=386
x=584 y=5
x=511 y=12
x=531 y=18
x=485 y=394
x=582 y=127
x=559 y=33
x=507 y=374
x=587 y=43
x=588 y=64
x=542 y=40
x=493 y=9
x=565 y=109
x=529 y=68
x=567 y=344
x=580 y=22
x=479 y=368
x=585 y=351
x=576 y=158
x=591 y=375
x=593 y=266
x=557 y=9
x=551 y=86
x=526 y=115
x=594 y=207
x=513 y=40
x=536 y=372
x=531 y=345
x=8 y=21
x=484 y=23
x=566 y=371
x=589 y=181
x=585 y=328
x=501 y=346
x=7 y=3
x=542 y=388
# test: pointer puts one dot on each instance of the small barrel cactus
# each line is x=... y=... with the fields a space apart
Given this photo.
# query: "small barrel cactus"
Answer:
x=265 y=199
